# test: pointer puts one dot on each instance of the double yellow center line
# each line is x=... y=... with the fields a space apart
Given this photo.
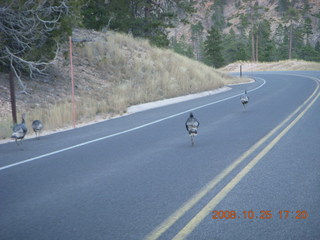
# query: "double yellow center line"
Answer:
x=196 y=220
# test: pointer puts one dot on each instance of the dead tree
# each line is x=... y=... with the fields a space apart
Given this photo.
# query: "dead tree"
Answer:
x=25 y=26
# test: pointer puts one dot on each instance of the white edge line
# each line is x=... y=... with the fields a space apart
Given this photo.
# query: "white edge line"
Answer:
x=126 y=131
x=169 y=101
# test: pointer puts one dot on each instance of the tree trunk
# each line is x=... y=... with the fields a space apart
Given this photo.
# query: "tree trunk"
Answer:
x=147 y=9
x=257 y=47
x=252 y=47
x=290 y=40
x=13 y=98
x=252 y=33
x=196 y=45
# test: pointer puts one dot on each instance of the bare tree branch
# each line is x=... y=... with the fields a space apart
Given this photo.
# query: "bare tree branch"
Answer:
x=24 y=30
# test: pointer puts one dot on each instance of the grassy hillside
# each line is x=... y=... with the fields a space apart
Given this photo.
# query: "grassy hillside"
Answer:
x=112 y=71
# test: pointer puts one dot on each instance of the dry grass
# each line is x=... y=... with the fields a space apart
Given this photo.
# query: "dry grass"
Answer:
x=112 y=72
x=285 y=65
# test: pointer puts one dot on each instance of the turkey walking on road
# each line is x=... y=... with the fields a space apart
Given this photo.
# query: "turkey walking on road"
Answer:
x=19 y=130
x=244 y=99
x=192 y=125
x=37 y=127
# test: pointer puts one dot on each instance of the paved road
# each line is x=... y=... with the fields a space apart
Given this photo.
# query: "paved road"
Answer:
x=137 y=177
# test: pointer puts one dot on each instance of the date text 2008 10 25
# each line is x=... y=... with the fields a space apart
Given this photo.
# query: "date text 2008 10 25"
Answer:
x=263 y=214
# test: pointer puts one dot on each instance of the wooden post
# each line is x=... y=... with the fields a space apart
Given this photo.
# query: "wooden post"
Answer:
x=13 y=97
x=72 y=84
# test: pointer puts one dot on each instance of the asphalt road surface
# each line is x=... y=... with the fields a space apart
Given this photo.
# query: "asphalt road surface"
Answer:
x=253 y=173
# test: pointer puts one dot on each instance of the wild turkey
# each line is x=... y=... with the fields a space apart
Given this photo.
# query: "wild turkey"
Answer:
x=37 y=127
x=244 y=99
x=19 y=130
x=192 y=125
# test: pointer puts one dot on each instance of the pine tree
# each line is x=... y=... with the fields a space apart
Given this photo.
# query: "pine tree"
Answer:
x=307 y=29
x=230 y=47
x=291 y=17
x=317 y=49
x=182 y=47
x=197 y=39
x=143 y=18
x=213 y=48
x=308 y=53
x=94 y=14
x=283 y=6
x=254 y=16
x=217 y=17
x=234 y=47
x=266 y=45
x=241 y=52
x=298 y=43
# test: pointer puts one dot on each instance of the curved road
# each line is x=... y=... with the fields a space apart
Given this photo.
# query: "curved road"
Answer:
x=252 y=174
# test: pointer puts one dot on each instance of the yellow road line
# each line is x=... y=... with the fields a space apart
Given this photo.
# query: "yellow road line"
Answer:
x=221 y=195
x=173 y=218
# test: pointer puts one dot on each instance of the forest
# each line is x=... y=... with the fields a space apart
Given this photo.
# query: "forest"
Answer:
x=31 y=31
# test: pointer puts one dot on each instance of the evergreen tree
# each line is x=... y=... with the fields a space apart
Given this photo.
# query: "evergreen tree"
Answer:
x=254 y=17
x=234 y=47
x=308 y=53
x=95 y=14
x=197 y=39
x=182 y=47
x=317 y=51
x=307 y=29
x=298 y=43
x=306 y=7
x=317 y=47
x=213 y=56
x=230 y=47
x=280 y=40
x=283 y=6
x=218 y=17
x=143 y=18
x=266 y=45
x=292 y=16
x=244 y=23
x=241 y=52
